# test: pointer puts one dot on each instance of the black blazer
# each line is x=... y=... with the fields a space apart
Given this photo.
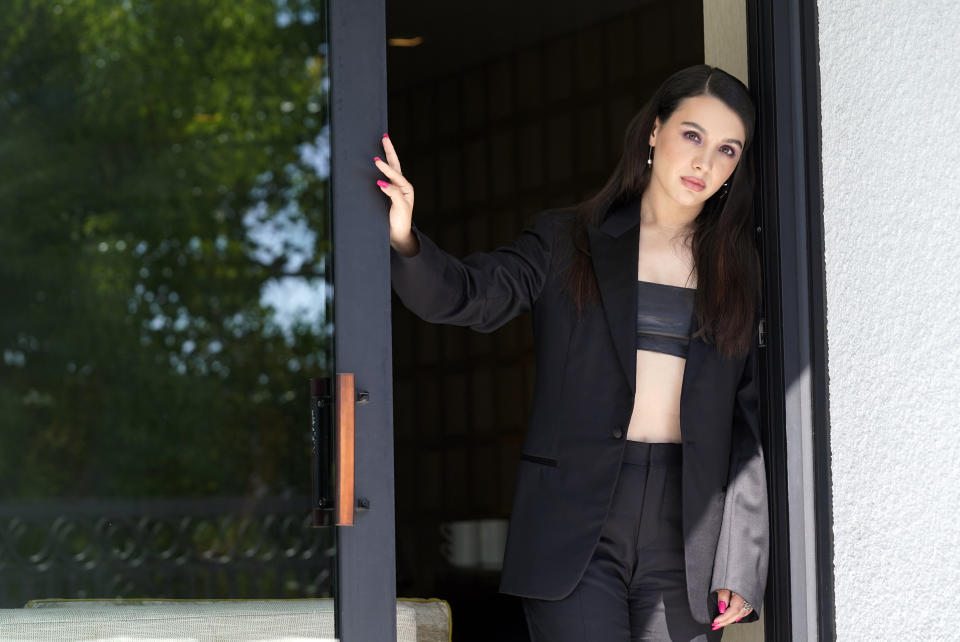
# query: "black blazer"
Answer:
x=583 y=400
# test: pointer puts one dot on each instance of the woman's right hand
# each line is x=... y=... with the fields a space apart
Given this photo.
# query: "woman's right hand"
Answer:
x=400 y=192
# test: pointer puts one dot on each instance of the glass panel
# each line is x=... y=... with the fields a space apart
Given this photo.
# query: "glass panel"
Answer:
x=164 y=261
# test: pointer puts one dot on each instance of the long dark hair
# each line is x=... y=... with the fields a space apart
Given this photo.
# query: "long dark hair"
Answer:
x=724 y=253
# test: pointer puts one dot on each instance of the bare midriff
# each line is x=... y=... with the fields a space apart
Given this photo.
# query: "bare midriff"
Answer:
x=656 y=405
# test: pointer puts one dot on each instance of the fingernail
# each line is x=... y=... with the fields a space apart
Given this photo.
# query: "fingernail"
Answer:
x=385 y=136
x=723 y=606
x=376 y=158
x=738 y=619
x=715 y=626
x=383 y=183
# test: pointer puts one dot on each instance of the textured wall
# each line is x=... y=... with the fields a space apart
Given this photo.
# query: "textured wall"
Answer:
x=891 y=162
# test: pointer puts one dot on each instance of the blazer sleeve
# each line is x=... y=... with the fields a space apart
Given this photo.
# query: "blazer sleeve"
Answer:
x=483 y=290
x=743 y=548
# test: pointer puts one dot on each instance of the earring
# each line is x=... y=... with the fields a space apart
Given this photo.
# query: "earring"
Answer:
x=650 y=157
x=725 y=189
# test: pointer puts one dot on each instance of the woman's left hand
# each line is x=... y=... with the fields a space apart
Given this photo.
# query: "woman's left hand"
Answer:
x=731 y=608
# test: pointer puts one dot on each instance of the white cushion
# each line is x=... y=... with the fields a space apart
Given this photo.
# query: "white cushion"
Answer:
x=182 y=621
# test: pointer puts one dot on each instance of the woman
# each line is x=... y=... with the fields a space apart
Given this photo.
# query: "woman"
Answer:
x=640 y=510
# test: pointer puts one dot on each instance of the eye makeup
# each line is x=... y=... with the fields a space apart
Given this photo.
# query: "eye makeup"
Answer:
x=732 y=153
x=732 y=141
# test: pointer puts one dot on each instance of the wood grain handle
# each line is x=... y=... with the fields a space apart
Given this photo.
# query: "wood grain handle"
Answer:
x=344 y=421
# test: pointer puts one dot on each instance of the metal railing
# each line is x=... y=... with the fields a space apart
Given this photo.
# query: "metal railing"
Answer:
x=163 y=548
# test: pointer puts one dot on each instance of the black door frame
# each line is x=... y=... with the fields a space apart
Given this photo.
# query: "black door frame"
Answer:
x=366 y=556
x=784 y=74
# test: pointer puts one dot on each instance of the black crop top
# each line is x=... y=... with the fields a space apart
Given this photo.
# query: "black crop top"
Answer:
x=664 y=317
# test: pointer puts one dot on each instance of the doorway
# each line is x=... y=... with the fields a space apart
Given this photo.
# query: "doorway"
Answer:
x=499 y=112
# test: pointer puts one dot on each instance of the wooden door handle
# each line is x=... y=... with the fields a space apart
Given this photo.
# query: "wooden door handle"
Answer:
x=344 y=422
x=332 y=401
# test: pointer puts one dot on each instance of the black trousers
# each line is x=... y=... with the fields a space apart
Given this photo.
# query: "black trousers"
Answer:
x=634 y=587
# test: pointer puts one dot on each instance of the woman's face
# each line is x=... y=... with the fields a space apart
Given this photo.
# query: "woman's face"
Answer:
x=696 y=149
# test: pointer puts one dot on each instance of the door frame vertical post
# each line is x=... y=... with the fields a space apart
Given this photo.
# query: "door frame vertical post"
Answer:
x=366 y=551
x=784 y=75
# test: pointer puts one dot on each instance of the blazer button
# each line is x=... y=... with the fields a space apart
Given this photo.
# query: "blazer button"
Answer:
x=617 y=433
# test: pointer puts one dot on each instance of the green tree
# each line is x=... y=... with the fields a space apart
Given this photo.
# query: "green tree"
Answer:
x=147 y=150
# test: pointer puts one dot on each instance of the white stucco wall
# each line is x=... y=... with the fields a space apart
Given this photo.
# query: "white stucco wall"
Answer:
x=891 y=176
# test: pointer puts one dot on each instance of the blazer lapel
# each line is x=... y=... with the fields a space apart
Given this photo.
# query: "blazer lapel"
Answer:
x=614 y=247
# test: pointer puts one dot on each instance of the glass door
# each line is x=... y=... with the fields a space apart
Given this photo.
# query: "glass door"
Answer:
x=166 y=279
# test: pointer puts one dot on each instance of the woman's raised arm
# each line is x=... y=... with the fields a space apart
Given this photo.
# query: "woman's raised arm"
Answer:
x=483 y=290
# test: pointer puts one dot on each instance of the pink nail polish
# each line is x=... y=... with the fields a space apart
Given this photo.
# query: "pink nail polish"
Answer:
x=383 y=183
x=723 y=606
x=376 y=158
x=385 y=136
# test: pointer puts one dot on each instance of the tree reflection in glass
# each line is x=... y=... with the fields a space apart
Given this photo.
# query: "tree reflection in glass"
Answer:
x=164 y=253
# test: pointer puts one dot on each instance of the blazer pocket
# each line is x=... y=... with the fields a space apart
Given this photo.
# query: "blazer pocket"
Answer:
x=543 y=461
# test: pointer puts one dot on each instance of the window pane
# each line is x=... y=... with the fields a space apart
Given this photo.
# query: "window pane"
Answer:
x=164 y=253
